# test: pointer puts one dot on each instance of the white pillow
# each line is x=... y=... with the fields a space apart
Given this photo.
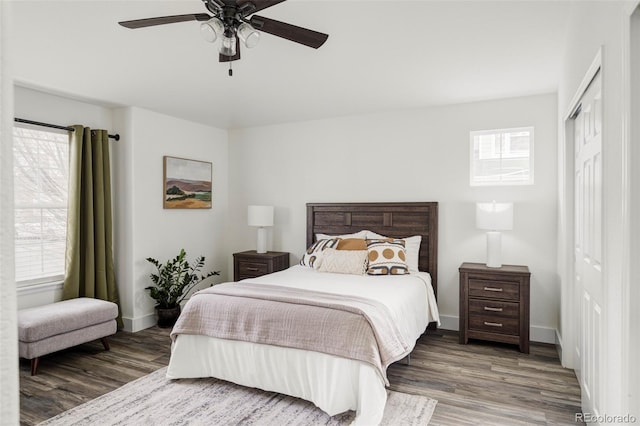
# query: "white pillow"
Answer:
x=343 y=261
x=411 y=245
x=360 y=234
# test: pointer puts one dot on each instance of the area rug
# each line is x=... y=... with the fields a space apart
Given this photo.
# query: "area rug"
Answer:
x=155 y=400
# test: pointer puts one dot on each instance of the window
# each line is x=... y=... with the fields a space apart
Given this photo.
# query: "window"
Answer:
x=41 y=174
x=502 y=157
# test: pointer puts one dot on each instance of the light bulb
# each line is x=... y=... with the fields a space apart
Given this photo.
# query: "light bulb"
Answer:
x=249 y=36
x=228 y=44
x=211 y=29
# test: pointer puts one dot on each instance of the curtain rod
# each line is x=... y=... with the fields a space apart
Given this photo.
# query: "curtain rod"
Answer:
x=55 y=126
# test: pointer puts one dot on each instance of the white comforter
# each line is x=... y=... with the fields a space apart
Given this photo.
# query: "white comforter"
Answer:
x=332 y=383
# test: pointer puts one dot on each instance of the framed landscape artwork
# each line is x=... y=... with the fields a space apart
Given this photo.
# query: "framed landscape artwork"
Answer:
x=187 y=183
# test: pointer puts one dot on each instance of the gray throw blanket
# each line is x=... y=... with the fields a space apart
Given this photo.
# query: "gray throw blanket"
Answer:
x=346 y=326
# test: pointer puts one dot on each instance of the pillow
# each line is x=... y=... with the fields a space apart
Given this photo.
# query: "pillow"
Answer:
x=352 y=244
x=359 y=234
x=314 y=252
x=412 y=246
x=386 y=257
x=344 y=261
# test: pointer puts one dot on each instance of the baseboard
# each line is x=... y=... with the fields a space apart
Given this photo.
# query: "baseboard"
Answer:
x=536 y=333
x=559 y=346
x=449 y=322
x=542 y=334
x=134 y=325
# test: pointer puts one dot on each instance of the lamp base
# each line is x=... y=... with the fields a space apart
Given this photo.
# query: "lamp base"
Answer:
x=494 y=249
x=262 y=240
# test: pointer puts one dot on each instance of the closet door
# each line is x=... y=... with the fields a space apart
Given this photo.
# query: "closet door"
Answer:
x=588 y=246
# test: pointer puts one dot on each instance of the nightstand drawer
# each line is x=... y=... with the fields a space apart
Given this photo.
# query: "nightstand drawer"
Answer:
x=494 y=308
x=493 y=289
x=494 y=324
x=251 y=264
x=252 y=269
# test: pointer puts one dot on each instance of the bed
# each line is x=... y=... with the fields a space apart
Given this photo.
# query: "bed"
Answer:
x=317 y=365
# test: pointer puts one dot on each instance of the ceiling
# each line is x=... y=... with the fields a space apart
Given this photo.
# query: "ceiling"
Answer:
x=381 y=55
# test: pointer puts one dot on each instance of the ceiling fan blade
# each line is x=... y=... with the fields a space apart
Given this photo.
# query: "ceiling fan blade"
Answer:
x=225 y=58
x=290 y=32
x=247 y=7
x=161 y=20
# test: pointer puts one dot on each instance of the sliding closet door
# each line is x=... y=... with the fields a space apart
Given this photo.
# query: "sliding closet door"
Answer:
x=588 y=281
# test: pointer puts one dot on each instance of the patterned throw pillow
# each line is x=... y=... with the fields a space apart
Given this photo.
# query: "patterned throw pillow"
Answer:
x=411 y=245
x=387 y=257
x=314 y=252
x=343 y=261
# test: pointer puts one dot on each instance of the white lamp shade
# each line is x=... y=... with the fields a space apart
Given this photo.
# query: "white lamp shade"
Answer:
x=494 y=216
x=260 y=216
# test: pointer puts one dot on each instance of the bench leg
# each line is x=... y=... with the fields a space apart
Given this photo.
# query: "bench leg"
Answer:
x=34 y=366
x=36 y=361
x=105 y=343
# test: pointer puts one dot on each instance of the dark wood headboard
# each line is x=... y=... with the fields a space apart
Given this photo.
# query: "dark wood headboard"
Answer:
x=397 y=220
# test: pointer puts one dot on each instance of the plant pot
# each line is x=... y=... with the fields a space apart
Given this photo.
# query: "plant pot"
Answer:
x=167 y=317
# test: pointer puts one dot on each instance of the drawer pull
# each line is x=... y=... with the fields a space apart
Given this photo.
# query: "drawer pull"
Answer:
x=499 y=289
x=252 y=269
x=493 y=324
x=487 y=308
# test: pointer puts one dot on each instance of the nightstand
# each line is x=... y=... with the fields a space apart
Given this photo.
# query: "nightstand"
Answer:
x=250 y=264
x=494 y=304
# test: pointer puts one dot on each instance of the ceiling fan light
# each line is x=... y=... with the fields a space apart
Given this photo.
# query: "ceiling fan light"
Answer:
x=211 y=29
x=249 y=36
x=228 y=45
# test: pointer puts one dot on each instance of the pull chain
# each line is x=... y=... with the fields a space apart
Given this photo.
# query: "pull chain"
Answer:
x=230 y=69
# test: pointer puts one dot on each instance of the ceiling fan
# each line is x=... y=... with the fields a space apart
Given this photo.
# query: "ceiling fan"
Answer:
x=234 y=21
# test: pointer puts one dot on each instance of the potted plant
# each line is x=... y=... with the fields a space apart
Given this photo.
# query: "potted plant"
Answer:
x=175 y=278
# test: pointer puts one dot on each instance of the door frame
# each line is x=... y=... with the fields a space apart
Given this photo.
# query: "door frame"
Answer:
x=631 y=209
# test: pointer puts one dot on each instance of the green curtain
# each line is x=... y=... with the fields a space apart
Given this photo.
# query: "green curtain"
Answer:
x=89 y=252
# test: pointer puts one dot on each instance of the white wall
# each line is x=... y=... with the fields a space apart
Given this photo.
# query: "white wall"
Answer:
x=9 y=379
x=594 y=26
x=38 y=105
x=414 y=155
x=143 y=228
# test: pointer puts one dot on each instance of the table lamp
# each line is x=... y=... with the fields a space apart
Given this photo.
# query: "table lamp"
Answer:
x=494 y=217
x=261 y=217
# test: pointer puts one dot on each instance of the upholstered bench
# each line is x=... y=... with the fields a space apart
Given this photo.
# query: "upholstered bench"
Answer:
x=50 y=328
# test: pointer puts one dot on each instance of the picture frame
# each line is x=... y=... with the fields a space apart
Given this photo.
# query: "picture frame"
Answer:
x=187 y=184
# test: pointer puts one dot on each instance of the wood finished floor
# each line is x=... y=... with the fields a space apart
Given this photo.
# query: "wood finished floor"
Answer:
x=479 y=383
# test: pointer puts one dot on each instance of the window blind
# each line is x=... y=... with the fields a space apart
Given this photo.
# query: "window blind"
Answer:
x=41 y=175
